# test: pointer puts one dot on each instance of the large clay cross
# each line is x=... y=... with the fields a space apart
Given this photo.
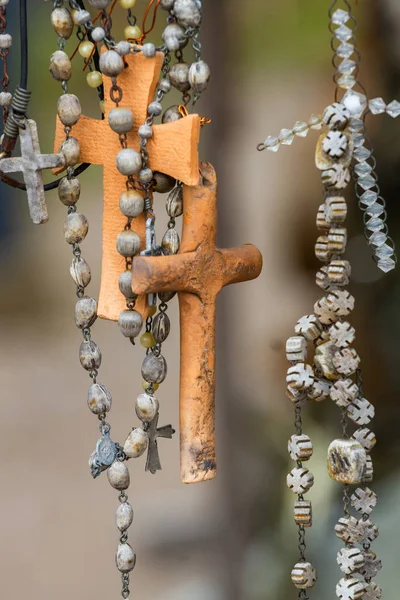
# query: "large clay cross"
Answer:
x=197 y=273
x=172 y=150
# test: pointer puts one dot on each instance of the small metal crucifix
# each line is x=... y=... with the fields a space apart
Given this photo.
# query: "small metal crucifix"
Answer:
x=30 y=164
x=153 y=463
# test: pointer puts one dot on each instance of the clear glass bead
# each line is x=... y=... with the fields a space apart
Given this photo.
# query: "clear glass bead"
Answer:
x=377 y=106
x=356 y=125
x=347 y=67
x=355 y=103
x=340 y=17
x=343 y=33
x=301 y=129
x=384 y=251
x=286 y=137
x=272 y=143
x=387 y=264
x=366 y=182
x=346 y=82
x=363 y=169
x=315 y=122
x=345 y=50
x=358 y=140
x=369 y=197
x=378 y=238
x=361 y=153
x=393 y=109
x=375 y=210
x=375 y=224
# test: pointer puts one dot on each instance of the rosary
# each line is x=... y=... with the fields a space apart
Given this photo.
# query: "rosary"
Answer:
x=146 y=145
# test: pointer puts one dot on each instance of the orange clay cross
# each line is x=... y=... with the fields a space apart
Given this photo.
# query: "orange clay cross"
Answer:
x=172 y=150
x=197 y=273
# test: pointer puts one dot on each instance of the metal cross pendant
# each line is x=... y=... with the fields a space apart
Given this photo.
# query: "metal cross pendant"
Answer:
x=30 y=164
x=153 y=463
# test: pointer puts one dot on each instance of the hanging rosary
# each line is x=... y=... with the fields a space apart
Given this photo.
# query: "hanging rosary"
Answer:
x=144 y=147
x=343 y=152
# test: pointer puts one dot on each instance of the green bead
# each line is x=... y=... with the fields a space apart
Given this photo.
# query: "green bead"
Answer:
x=147 y=340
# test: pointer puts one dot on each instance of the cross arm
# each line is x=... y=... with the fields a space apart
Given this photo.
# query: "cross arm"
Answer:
x=241 y=264
x=155 y=274
x=93 y=138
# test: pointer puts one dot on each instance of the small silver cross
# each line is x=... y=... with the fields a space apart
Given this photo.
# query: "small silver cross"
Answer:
x=153 y=458
x=30 y=164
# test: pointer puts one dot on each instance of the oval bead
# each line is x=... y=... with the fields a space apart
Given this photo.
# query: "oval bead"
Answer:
x=71 y=150
x=131 y=203
x=69 y=109
x=163 y=183
x=136 y=443
x=128 y=243
x=76 y=227
x=125 y=558
x=130 y=323
x=80 y=272
x=161 y=327
x=62 y=22
x=118 y=476
x=199 y=76
x=90 y=356
x=174 y=37
x=69 y=190
x=121 y=119
x=129 y=162
x=146 y=407
x=179 y=77
x=171 y=242
x=60 y=66
x=187 y=12
x=85 y=312
x=154 y=368
x=174 y=204
x=99 y=399
x=125 y=285
x=124 y=516
x=171 y=115
x=111 y=64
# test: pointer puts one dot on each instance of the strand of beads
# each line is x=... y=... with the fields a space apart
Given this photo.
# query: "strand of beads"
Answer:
x=286 y=136
x=5 y=45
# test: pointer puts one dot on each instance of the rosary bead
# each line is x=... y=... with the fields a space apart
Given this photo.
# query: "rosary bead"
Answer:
x=164 y=183
x=98 y=34
x=145 y=386
x=71 y=150
x=155 y=109
x=174 y=37
x=99 y=399
x=343 y=392
x=132 y=32
x=121 y=119
x=319 y=390
x=127 y=4
x=76 y=227
x=145 y=131
x=80 y=272
x=60 y=66
x=129 y=162
x=336 y=116
x=128 y=243
x=123 y=48
x=85 y=49
x=99 y=3
x=199 y=76
x=323 y=360
x=146 y=407
x=85 y=312
x=146 y=175
x=69 y=190
x=309 y=327
x=166 y=296
x=5 y=98
x=131 y=203
x=179 y=76
x=5 y=40
x=346 y=361
x=111 y=64
x=125 y=558
x=136 y=443
x=62 y=22
x=147 y=340
x=366 y=438
x=300 y=480
x=187 y=13
x=304 y=576
x=130 y=323
x=350 y=589
x=346 y=461
x=300 y=448
x=125 y=285
x=171 y=242
x=303 y=513
x=296 y=348
x=102 y=106
x=167 y=4
x=82 y=17
x=300 y=377
x=164 y=85
x=149 y=50
x=350 y=560
x=118 y=476
x=364 y=500
x=90 y=356
x=174 y=204
x=154 y=368
x=94 y=79
x=152 y=310
x=171 y=114
x=69 y=109
x=161 y=327
x=124 y=516
x=348 y=530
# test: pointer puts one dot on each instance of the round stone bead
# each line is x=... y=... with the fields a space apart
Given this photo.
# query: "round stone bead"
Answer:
x=99 y=3
x=171 y=114
x=76 y=227
x=121 y=119
x=155 y=109
x=132 y=32
x=304 y=576
x=179 y=77
x=85 y=49
x=5 y=98
x=128 y=243
x=167 y=4
x=69 y=190
x=85 y=312
x=174 y=204
x=174 y=37
x=136 y=443
x=187 y=13
x=5 y=40
x=71 y=150
x=125 y=558
x=99 y=399
x=127 y=4
x=149 y=50
x=145 y=131
x=163 y=183
x=154 y=368
x=98 y=34
x=146 y=175
x=130 y=323
x=125 y=285
x=123 y=48
x=146 y=407
x=90 y=356
x=82 y=16
x=171 y=242
x=62 y=22
x=80 y=272
x=111 y=64
x=147 y=340
x=131 y=203
x=161 y=327
x=60 y=66
x=69 y=109
x=164 y=85
x=129 y=162
x=346 y=461
x=124 y=516
x=199 y=76
x=94 y=79
x=118 y=476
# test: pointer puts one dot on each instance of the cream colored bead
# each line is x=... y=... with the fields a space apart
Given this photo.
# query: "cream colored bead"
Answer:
x=300 y=377
x=322 y=223
x=322 y=249
x=69 y=109
x=300 y=480
x=350 y=589
x=324 y=312
x=369 y=471
x=94 y=79
x=121 y=119
x=340 y=302
x=336 y=177
x=319 y=391
x=303 y=513
x=118 y=476
x=346 y=361
x=125 y=558
x=296 y=397
x=86 y=48
x=335 y=209
x=337 y=240
x=343 y=392
x=111 y=64
x=366 y=438
x=304 y=576
x=136 y=444
x=339 y=272
x=147 y=407
x=323 y=360
x=127 y=4
x=300 y=447
x=373 y=592
x=309 y=327
x=71 y=150
x=364 y=500
x=342 y=334
x=124 y=516
x=369 y=531
x=62 y=22
x=346 y=461
x=348 y=530
x=296 y=348
x=132 y=32
x=322 y=279
x=60 y=66
x=361 y=411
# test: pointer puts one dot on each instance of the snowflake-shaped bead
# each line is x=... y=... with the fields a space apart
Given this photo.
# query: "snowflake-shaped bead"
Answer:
x=322 y=279
x=364 y=500
x=324 y=313
x=322 y=223
x=337 y=240
x=309 y=327
x=366 y=438
x=304 y=575
x=350 y=589
x=300 y=447
x=341 y=302
x=346 y=361
x=336 y=116
x=361 y=411
x=343 y=392
x=300 y=480
x=319 y=391
x=373 y=592
x=303 y=513
x=342 y=334
x=296 y=348
x=372 y=565
x=321 y=249
x=339 y=272
x=336 y=177
x=297 y=398
x=348 y=530
x=300 y=376
x=335 y=209
x=350 y=560
x=369 y=471
x=369 y=531
x=335 y=144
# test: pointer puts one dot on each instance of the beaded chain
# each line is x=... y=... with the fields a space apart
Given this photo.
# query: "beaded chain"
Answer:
x=5 y=45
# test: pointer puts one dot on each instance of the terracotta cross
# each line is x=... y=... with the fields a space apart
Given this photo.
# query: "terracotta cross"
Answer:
x=153 y=458
x=173 y=151
x=197 y=273
x=31 y=164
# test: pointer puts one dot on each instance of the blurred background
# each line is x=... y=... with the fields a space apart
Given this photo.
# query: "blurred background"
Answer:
x=233 y=538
